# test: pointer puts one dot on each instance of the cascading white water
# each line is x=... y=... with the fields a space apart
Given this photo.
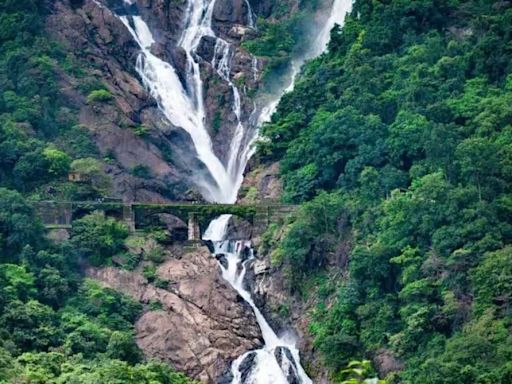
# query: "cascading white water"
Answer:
x=266 y=367
x=339 y=10
x=337 y=16
x=183 y=105
x=179 y=107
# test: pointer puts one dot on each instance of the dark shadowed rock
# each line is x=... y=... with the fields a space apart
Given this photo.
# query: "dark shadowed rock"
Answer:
x=246 y=366
x=222 y=259
x=283 y=354
x=226 y=378
x=230 y=11
x=177 y=228
x=238 y=229
x=206 y=48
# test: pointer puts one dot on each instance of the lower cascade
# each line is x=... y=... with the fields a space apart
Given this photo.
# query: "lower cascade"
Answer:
x=278 y=362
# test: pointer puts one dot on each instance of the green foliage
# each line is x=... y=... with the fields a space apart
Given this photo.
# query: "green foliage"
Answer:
x=56 y=327
x=310 y=236
x=141 y=171
x=18 y=225
x=141 y=130
x=149 y=272
x=280 y=38
x=155 y=306
x=97 y=238
x=58 y=161
x=99 y=96
x=357 y=372
x=92 y=171
x=402 y=134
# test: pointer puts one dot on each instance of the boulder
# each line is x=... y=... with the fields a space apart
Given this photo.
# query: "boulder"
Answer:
x=206 y=48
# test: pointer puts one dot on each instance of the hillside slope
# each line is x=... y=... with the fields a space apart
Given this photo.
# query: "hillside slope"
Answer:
x=398 y=145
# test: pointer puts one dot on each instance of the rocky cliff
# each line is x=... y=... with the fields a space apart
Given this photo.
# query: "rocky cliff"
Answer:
x=200 y=325
x=130 y=130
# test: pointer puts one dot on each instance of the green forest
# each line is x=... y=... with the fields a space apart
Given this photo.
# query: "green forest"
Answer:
x=397 y=143
x=55 y=325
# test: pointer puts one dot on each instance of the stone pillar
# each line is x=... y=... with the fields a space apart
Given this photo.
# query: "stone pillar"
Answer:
x=194 y=234
x=128 y=217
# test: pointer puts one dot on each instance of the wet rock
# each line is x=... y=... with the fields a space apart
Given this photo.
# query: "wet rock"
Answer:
x=246 y=366
x=262 y=8
x=238 y=229
x=206 y=48
x=226 y=378
x=222 y=259
x=202 y=326
x=287 y=363
x=209 y=245
x=164 y=16
x=230 y=12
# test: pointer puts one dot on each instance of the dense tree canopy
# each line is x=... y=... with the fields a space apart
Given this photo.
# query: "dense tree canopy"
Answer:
x=398 y=142
x=55 y=326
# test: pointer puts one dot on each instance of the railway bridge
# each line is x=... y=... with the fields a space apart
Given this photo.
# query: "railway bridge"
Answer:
x=61 y=214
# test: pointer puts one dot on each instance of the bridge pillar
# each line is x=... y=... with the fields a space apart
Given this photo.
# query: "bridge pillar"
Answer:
x=128 y=217
x=194 y=233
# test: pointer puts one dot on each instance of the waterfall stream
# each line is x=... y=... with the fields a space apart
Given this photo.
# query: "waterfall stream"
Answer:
x=182 y=104
x=278 y=361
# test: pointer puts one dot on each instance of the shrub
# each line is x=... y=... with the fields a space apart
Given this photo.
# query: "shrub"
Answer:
x=141 y=171
x=99 y=95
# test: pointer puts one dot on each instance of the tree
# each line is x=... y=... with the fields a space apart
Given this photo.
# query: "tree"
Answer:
x=92 y=170
x=98 y=238
x=19 y=225
x=31 y=325
x=58 y=161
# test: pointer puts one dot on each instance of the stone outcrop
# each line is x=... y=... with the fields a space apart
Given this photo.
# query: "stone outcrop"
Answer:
x=239 y=229
x=106 y=53
x=261 y=183
x=202 y=325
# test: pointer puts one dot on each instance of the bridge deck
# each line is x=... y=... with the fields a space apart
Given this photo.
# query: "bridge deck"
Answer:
x=61 y=214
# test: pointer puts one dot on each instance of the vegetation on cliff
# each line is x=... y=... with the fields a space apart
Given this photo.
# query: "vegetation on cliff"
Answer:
x=39 y=134
x=55 y=326
x=398 y=144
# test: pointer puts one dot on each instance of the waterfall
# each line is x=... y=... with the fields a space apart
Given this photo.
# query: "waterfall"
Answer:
x=278 y=361
x=337 y=16
x=181 y=108
x=183 y=104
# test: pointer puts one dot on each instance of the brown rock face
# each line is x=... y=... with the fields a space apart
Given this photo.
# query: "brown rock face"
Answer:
x=130 y=129
x=203 y=324
x=261 y=184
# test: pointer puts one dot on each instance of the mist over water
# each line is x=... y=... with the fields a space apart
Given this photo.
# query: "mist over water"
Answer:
x=183 y=104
